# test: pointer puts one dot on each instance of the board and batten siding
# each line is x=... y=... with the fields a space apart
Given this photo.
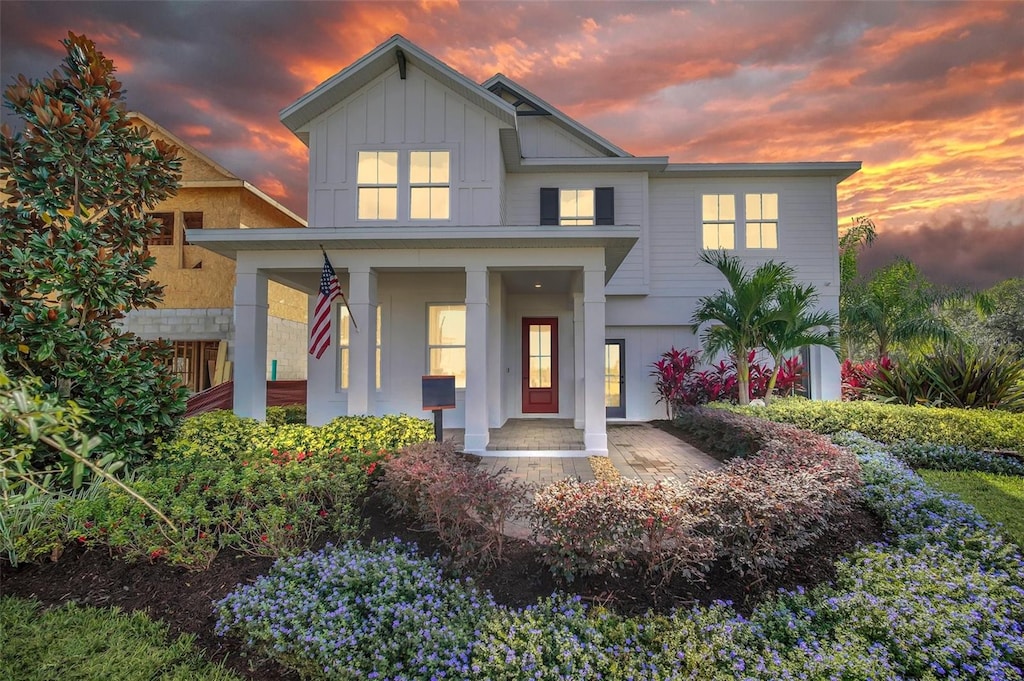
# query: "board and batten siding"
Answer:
x=540 y=137
x=391 y=114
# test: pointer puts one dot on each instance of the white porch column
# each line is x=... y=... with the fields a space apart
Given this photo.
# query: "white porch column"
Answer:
x=595 y=436
x=250 y=372
x=362 y=366
x=579 y=350
x=477 y=433
x=826 y=382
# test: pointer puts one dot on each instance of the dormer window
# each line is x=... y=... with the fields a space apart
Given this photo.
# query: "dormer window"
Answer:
x=429 y=186
x=378 y=185
x=577 y=206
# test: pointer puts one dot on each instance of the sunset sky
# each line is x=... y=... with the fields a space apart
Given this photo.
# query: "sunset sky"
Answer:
x=929 y=95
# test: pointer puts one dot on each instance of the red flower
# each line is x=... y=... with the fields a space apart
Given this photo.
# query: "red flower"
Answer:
x=263 y=537
x=322 y=513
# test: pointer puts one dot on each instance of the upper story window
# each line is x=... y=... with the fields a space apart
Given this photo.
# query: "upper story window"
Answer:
x=759 y=215
x=446 y=342
x=377 y=176
x=429 y=188
x=166 y=235
x=719 y=221
x=577 y=206
x=762 y=220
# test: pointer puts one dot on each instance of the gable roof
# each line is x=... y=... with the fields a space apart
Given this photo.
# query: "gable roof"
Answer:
x=499 y=83
x=395 y=50
x=230 y=179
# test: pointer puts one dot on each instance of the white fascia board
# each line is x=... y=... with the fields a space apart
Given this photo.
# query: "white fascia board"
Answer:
x=375 y=63
x=651 y=164
x=838 y=169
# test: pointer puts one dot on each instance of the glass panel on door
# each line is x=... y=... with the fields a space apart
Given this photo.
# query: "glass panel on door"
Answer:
x=540 y=355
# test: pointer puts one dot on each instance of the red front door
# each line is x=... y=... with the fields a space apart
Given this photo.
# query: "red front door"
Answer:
x=540 y=365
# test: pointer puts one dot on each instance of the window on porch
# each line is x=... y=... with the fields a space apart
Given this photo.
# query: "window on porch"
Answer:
x=344 y=355
x=446 y=342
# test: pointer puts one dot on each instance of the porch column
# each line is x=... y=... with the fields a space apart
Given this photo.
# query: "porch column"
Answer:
x=477 y=364
x=362 y=366
x=250 y=372
x=826 y=383
x=578 y=354
x=595 y=436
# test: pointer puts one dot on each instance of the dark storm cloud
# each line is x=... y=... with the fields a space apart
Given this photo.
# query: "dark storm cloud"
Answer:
x=961 y=252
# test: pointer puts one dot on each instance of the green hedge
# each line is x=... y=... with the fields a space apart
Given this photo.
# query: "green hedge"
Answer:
x=891 y=423
x=222 y=434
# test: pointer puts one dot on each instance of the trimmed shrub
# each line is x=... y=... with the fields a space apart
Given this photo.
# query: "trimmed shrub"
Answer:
x=291 y=413
x=352 y=612
x=976 y=429
x=954 y=458
x=446 y=492
x=857 y=376
x=602 y=527
x=222 y=434
x=271 y=505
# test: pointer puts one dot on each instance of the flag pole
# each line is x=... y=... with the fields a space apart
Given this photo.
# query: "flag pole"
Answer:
x=351 y=316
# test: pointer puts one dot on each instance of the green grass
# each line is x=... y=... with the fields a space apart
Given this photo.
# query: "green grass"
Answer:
x=999 y=498
x=74 y=642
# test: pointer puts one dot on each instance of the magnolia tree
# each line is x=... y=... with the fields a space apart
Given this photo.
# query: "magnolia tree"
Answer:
x=73 y=260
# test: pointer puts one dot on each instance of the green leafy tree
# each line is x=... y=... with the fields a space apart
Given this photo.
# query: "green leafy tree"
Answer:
x=737 y=318
x=860 y=234
x=73 y=259
x=896 y=308
x=794 y=324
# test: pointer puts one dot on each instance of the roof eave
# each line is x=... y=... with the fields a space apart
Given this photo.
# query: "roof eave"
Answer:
x=840 y=170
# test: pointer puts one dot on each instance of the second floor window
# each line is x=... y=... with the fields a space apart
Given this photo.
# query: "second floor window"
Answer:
x=762 y=220
x=719 y=221
x=576 y=207
x=166 y=235
x=377 y=175
x=429 y=185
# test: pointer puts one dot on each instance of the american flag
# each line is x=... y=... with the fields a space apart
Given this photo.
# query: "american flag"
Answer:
x=320 y=335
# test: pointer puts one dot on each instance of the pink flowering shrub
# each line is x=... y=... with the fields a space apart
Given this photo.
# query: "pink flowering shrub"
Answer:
x=467 y=507
x=604 y=527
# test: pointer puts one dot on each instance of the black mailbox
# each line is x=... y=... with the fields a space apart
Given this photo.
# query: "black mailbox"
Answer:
x=438 y=394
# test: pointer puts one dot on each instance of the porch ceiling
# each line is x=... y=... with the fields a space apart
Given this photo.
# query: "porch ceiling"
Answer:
x=616 y=241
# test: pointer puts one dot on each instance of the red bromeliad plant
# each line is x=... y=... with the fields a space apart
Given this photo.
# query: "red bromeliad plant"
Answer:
x=857 y=377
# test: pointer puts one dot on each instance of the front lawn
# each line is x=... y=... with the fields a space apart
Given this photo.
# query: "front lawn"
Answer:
x=1000 y=498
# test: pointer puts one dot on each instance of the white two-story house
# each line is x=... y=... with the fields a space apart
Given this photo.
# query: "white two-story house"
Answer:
x=479 y=232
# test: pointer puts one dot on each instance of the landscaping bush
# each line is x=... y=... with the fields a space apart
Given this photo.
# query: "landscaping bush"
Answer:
x=976 y=429
x=273 y=504
x=352 y=612
x=603 y=527
x=954 y=458
x=467 y=507
x=964 y=379
x=37 y=528
x=291 y=413
x=222 y=434
x=857 y=376
x=75 y=643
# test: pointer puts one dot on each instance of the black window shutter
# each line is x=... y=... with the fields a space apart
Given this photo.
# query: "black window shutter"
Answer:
x=604 y=205
x=549 y=205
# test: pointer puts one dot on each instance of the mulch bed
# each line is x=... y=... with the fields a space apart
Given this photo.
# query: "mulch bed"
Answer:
x=184 y=599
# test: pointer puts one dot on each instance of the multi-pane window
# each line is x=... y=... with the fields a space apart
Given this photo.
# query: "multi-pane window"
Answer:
x=166 y=235
x=429 y=188
x=576 y=207
x=762 y=220
x=344 y=323
x=719 y=221
x=377 y=175
x=446 y=342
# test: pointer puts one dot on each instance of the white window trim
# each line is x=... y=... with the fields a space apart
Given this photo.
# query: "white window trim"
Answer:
x=740 y=229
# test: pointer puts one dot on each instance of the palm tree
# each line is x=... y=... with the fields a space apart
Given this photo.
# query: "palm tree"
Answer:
x=739 y=315
x=794 y=325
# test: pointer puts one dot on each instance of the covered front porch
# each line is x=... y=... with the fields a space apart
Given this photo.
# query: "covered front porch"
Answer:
x=532 y=318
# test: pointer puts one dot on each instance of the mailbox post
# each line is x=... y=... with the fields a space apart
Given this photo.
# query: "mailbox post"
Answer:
x=438 y=395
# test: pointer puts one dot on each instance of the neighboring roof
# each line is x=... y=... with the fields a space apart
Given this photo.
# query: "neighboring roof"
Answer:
x=377 y=62
x=167 y=134
x=232 y=179
x=500 y=82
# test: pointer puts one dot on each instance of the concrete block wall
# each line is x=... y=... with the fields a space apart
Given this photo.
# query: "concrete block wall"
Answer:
x=287 y=343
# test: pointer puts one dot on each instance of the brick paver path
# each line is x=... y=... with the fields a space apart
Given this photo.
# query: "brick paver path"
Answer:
x=644 y=452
